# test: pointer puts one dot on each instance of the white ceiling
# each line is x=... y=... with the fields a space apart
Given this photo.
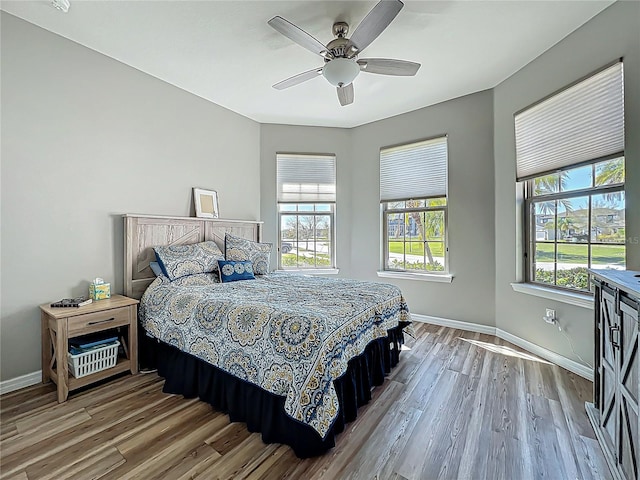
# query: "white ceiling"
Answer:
x=225 y=52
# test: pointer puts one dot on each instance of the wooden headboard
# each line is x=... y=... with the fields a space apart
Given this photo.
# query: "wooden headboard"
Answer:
x=142 y=232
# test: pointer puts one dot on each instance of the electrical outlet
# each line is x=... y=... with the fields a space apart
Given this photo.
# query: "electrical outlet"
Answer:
x=550 y=316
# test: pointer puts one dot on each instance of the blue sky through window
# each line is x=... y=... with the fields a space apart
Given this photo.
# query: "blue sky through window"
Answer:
x=581 y=178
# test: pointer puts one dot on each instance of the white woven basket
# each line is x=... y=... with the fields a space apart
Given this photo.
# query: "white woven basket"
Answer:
x=86 y=363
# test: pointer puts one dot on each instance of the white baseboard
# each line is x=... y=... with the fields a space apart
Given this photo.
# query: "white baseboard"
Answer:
x=564 y=362
x=17 y=383
x=445 y=322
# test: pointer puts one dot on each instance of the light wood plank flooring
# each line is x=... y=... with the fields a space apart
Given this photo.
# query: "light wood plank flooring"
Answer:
x=459 y=406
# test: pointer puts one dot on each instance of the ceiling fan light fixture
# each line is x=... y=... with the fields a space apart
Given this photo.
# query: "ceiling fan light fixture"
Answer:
x=340 y=72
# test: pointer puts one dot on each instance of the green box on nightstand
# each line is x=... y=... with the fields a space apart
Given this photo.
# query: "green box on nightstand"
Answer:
x=100 y=291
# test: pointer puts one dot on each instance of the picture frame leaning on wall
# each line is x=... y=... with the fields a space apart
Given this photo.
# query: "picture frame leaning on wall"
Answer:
x=206 y=203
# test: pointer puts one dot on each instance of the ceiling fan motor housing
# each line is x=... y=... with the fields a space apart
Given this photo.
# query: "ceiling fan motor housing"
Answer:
x=341 y=47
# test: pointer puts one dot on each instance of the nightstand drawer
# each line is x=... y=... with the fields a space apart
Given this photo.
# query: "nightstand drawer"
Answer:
x=95 y=322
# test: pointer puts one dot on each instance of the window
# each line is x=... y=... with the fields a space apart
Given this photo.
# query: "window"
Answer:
x=306 y=211
x=570 y=159
x=413 y=198
x=576 y=221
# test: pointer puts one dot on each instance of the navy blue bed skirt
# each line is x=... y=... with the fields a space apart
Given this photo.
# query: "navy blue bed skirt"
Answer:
x=263 y=411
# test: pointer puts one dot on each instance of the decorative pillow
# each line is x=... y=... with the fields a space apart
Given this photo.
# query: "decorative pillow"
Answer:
x=232 y=270
x=237 y=248
x=155 y=268
x=180 y=260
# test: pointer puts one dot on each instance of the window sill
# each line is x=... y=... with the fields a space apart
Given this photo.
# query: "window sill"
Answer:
x=312 y=271
x=577 y=299
x=423 y=277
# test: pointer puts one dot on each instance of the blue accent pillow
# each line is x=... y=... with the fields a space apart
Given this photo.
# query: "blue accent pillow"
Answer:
x=156 y=269
x=232 y=271
x=237 y=248
x=180 y=260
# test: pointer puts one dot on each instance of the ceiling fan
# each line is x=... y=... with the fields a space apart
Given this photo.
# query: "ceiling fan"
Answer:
x=341 y=63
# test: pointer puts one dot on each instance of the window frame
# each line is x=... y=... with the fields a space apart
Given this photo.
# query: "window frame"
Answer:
x=385 y=212
x=314 y=213
x=529 y=218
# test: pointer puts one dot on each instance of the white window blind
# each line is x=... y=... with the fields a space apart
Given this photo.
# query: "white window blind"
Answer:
x=582 y=123
x=306 y=178
x=416 y=170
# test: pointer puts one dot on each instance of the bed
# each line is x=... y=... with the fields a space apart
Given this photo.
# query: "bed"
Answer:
x=291 y=356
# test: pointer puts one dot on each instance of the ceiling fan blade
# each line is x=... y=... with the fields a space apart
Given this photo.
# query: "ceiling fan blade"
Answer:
x=388 y=66
x=298 y=35
x=296 y=79
x=375 y=22
x=345 y=94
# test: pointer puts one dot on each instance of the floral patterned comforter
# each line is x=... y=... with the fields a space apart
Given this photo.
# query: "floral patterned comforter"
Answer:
x=291 y=335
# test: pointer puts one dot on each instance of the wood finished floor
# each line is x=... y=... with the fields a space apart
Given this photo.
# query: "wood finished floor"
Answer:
x=460 y=405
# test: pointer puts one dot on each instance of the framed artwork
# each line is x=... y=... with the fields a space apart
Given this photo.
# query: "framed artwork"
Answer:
x=206 y=202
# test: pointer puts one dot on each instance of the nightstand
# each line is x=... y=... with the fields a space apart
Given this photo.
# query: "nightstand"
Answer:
x=61 y=324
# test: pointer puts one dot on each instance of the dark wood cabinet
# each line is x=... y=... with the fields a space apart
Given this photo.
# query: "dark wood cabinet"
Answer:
x=614 y=413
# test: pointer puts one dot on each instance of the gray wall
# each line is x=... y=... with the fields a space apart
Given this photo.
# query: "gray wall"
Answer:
x=608 y=36
x=468 y=121
x=84 y=140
